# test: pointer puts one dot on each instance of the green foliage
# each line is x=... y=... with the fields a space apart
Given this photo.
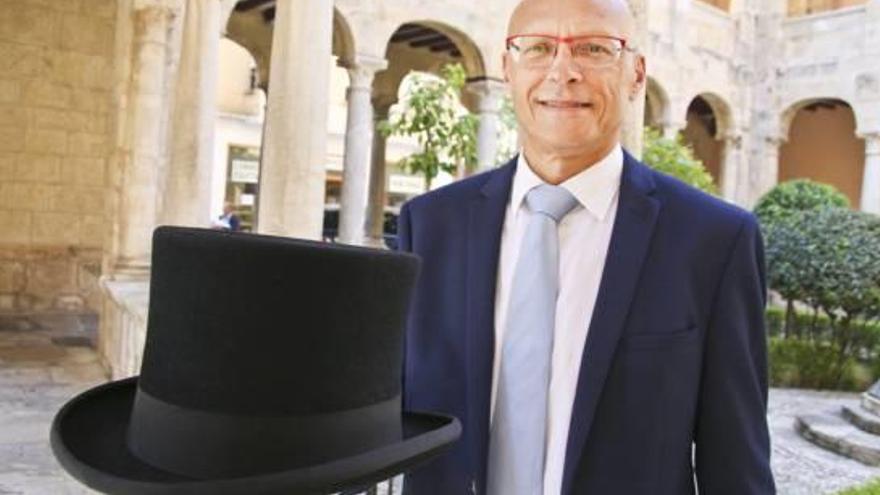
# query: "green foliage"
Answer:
x=432 y=115
x=871 y=488
x=797 y=195
x=814 y=364
x=507 y=138
x=828 y=258
x=673 y=157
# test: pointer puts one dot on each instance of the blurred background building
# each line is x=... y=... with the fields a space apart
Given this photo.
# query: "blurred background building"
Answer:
x=121 y=115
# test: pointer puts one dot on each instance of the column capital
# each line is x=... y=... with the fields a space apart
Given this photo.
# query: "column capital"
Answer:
x=489 y=92
x=732 y=137
x=382 y=104
x=362 y=70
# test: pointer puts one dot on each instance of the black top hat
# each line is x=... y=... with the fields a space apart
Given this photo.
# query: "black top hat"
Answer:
x=271 y=365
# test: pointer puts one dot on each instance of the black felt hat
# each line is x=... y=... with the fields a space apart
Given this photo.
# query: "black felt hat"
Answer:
x=271 y=365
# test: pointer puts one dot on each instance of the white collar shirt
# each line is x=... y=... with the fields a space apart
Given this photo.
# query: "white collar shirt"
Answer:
x=584 y=236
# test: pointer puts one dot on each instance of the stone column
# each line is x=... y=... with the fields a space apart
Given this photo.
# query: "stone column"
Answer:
x=140 y=137
x=764 y=174
x=378 y=177
x=188 y=181
x=489 y=95
x=359 y=131
x=633 y=124
x=293 y=166
x=871 y=179
x=730 y=164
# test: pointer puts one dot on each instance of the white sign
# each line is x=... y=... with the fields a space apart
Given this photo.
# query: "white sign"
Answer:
x=247 y=171
x=404 y=184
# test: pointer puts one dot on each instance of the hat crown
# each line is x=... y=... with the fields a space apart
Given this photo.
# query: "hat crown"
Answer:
x=259 y=325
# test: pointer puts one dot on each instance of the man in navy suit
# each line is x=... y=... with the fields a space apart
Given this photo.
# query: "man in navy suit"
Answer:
x=657 y=376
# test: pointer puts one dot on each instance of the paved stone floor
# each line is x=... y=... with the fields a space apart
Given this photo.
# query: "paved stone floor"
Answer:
x=45 y=360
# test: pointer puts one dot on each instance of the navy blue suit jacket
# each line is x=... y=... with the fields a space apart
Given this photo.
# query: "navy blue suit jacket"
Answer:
x=675 y=354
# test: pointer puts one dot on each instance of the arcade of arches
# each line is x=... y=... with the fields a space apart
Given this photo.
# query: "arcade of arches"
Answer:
x=120 y=115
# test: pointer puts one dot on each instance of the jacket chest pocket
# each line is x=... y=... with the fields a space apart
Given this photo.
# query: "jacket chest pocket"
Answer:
x=684 y=338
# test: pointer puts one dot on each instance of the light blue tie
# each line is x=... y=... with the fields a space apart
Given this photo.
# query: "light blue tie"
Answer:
x=517 y=440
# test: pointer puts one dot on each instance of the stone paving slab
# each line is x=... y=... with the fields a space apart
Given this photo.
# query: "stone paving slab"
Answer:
x=36 y=377
x=36 y=381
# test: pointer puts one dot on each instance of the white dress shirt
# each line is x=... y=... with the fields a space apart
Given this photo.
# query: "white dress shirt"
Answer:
x=584 y=235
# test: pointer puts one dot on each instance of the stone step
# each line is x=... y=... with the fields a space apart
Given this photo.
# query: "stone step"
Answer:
x=871 y=403
x=861 y=418
x=828 y=429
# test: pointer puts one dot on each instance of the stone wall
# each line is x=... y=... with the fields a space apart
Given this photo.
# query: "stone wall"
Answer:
x=56 y=60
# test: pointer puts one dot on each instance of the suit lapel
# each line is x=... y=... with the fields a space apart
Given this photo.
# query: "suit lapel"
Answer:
x=630 y=242
x=485 y=222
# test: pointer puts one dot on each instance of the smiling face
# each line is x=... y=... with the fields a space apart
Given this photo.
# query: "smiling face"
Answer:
x=566 y=110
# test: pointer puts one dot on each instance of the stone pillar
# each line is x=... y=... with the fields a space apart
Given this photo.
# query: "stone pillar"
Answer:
x=293 y=166
x=871 y=180
x=378 y=178
x=633 y=124
x=140 y=137
x=680 y=25
x=730 y=164
x=359 y=131
x=489 y=95
x=764 y=174
x=188 y=181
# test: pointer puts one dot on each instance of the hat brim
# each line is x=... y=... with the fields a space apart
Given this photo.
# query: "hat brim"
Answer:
x=89 y=440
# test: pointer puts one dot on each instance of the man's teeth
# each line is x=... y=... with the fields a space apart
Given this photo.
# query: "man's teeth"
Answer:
x=565 y=104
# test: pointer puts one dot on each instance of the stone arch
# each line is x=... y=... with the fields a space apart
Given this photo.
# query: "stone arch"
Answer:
x=807 y=7
x=656 y=105
x=819 y=142
x=426 y=46
x=719 y=4
x=250 y=25
x=708 y=123
x=343 y=39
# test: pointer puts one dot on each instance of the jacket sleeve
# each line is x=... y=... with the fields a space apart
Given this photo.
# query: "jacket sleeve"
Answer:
x=731 y=437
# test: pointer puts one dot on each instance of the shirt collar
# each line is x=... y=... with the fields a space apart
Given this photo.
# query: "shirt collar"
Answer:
x=595 y=187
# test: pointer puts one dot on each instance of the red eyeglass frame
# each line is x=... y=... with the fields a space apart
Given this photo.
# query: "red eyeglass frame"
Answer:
x=569 y=39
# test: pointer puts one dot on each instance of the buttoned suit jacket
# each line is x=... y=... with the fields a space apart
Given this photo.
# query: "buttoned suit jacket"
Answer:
x=672 y=388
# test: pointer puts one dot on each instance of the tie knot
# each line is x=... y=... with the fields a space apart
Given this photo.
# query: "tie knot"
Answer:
x=553 y=201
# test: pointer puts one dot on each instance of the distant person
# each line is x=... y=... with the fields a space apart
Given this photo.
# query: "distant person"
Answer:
x=228 y=220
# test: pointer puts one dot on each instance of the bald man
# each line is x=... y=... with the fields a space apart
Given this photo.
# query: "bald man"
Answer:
x=597 y=326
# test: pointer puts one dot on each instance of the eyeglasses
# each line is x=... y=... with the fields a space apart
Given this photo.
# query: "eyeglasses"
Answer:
x=537 y=51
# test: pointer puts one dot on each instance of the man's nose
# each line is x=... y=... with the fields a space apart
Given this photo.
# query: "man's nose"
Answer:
x=564 y=68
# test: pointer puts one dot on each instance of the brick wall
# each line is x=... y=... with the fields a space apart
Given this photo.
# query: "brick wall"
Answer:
x=56 y=77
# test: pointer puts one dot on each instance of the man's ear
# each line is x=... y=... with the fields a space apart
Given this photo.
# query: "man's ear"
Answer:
x=505 y=67
x=641 y=77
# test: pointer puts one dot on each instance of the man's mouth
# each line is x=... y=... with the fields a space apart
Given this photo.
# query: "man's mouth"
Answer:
x=564 y=104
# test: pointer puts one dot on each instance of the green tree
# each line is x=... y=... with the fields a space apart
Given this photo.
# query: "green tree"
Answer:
x=432 y=115
x=797 y=195
x=842 y=273
x=673 y=157
x=785 y=215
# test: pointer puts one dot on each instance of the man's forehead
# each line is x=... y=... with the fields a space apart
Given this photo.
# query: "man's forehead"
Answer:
x=571 y=17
